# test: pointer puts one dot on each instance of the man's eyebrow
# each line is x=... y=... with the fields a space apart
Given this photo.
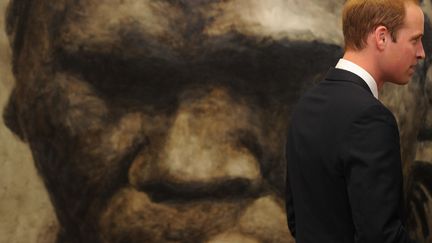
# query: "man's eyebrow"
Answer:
x=418 y=36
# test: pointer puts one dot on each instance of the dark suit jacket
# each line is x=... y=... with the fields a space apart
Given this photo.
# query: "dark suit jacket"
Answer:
x=344 y=166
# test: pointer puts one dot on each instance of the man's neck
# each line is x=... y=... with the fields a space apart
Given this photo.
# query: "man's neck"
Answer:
x=363 y=59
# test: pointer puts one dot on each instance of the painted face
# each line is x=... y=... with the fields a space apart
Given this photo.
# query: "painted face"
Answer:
x=402 y=56
x=165 y=121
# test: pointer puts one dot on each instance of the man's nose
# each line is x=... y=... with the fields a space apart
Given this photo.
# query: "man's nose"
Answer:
x=420 y=51
x=206 y=144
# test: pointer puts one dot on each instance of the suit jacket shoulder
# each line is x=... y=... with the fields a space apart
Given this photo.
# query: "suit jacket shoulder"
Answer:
x=343 y=144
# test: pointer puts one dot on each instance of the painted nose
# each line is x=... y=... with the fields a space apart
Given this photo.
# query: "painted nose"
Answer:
x=203 y=143
x=208 y=144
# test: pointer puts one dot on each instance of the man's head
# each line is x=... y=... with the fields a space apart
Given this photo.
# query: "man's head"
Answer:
x=399 y=58
x=384 y=37
x=158 y=121
x=362 y=17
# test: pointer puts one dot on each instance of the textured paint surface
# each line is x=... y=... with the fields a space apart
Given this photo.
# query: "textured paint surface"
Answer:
x=173 y=145
x=25 y=209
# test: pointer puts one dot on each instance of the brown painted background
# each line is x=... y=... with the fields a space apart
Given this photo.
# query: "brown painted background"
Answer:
x=25 y=211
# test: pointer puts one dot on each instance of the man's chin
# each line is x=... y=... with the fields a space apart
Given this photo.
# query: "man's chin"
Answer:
x=132 y=216
x=402 y=81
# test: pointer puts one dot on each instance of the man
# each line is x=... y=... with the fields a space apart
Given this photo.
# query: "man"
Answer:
x=159 y=121
x=343 y=155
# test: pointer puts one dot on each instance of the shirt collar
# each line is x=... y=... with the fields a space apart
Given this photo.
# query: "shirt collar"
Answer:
x=356 y=69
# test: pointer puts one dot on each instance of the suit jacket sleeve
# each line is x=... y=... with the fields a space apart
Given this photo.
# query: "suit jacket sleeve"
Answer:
x=289 y=206
x=373 y=173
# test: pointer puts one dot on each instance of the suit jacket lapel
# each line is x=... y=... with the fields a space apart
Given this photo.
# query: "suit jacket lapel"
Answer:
x=336 y=74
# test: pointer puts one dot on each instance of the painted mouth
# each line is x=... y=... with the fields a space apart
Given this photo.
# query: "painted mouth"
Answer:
x=237 y=188
x=134 y=216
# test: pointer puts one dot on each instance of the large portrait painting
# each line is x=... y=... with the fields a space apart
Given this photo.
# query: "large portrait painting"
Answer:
x=152 y=121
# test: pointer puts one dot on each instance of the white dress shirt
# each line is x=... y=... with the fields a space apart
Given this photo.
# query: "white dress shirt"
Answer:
x=359 y=71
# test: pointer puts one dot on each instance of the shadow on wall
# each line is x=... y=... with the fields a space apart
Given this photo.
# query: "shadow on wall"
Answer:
x=165 y=121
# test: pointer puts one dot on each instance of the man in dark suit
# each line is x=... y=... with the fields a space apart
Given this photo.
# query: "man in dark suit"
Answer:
x=343 y=154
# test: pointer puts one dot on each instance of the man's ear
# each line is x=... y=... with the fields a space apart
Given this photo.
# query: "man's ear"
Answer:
x=10 y=116
x=381 y=37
